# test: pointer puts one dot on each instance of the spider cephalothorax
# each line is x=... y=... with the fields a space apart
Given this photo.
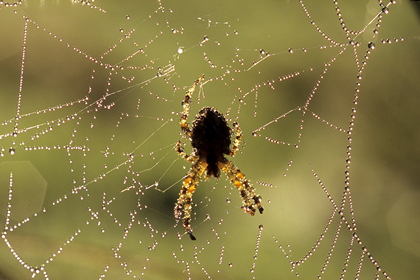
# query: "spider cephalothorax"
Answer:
x=210 y=137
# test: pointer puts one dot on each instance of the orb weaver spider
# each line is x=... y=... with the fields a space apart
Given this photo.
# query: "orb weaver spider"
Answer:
x=210 y=137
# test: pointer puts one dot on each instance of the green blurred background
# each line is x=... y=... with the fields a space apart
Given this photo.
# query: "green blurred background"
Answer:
x=65 y=141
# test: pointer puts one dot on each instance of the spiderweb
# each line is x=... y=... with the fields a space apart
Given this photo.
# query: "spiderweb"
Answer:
x=326 y=95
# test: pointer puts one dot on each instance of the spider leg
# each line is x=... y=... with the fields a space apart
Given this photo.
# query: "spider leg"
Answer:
x=251 y=200
x=185 y=195
x=186 y=108
x=180 y=150
x=238 y=137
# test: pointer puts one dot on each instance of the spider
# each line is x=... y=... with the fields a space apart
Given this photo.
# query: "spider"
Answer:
x=210 y=137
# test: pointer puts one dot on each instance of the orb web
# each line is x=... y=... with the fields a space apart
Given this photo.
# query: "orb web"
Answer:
x=324 y=93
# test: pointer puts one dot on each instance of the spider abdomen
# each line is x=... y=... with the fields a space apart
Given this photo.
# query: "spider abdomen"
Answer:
x=211 y=138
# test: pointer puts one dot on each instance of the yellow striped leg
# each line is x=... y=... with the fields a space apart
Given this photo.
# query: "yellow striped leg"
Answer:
x=185 y=195
x=251 y=201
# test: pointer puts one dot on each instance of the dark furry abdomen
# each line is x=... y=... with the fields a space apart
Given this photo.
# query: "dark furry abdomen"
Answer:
x=211 y=138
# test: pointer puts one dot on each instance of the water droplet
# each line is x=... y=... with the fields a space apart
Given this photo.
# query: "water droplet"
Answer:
x=290 y=50
x=371 y=45
x=385 y=10
x=12 y=151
